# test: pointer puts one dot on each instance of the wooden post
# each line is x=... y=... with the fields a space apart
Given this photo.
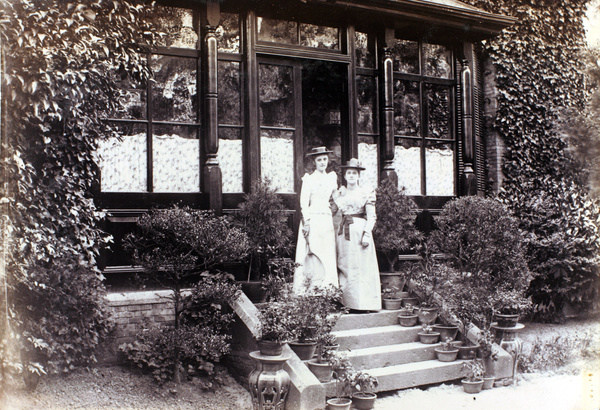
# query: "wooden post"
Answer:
x=387 y=118
x=469 y=180
x=211 y=174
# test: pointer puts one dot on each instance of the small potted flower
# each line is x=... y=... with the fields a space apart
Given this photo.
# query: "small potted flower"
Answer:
x=406 y=316
x=275 y=327
x=322 y=366
x=508 y=305
x=489 y=355
x=447 y=352
x=342 y=373
x=474 y=371
x=390 y=300
x=363 y=383
x=427 y=335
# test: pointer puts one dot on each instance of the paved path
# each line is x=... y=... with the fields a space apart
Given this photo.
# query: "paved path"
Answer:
x=532 y=392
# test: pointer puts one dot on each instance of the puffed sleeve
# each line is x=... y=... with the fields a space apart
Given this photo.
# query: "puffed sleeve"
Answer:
x=370 y=212
x=305 y=197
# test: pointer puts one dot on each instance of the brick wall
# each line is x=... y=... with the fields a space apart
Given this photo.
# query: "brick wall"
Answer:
x=131 y=312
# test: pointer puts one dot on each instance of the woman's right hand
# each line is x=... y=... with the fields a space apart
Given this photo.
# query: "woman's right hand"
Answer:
x=305 y=230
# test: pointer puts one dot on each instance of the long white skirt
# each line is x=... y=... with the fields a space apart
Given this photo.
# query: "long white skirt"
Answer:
x=316 y=256
x=358 y=269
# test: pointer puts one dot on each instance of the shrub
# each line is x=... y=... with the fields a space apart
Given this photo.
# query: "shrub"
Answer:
x=177 y=244
x=395 y=230
x=199 y=341
x=480 y=236
x=262 y=216
x=63 y=316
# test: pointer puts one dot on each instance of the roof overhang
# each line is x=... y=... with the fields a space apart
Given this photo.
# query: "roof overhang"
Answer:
x=448 y=15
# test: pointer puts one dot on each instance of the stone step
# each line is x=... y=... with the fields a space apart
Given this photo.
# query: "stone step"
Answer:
x=376 y=336
x=365 y=320
x=409 y=375
x=391 y=355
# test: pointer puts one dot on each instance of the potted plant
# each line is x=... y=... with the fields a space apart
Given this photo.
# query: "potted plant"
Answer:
x=427 y=335
x=363 y=383
x=447 y=352
x=489 y=354
x=276 y=324
x=263 y=218
x=395 y=230
x=406 y=316
x=342 y=373
x=315 y=313
x=473 y=370
x=390 y=300
x=508 y=305
x=322 y=366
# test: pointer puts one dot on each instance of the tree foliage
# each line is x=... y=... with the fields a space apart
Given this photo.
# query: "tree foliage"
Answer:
x=56 y=87
x=540 y=77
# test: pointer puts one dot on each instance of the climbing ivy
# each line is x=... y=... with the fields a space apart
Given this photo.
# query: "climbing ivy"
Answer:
x=58 y=57
x=540 y=77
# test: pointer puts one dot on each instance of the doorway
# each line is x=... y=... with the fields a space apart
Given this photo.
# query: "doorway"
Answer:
x=303 y=103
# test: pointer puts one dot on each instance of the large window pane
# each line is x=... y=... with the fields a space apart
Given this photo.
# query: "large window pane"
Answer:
x=174 y=93
x=179 y=26
x=176 y=159
x=277 y=31
x=439 y=165
x=366 y=88
x=123 y=161
x=365 y=57
x=277 y=159
x=229 y=106
x=231 y=160
x=437 y=61
x=319 y=36
x=407 y=111
x=406 y=56
x=131 y=98
x=367 y=155
x=407 y=163
x=276 y=95
x=228 y=33
x=438 y=111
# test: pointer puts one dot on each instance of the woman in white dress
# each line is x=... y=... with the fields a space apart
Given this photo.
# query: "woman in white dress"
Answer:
x=315 y=251
x=356 y=259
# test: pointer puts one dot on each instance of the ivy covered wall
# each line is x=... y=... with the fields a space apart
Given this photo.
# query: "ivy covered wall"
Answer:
x=539 y=76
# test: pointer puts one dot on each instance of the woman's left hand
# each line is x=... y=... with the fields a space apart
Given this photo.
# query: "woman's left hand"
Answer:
x=365 y=239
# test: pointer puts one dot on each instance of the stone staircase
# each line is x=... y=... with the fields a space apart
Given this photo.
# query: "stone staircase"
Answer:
x=376 y=343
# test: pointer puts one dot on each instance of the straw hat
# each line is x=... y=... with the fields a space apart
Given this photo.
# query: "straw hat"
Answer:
x=354 y=164
x=318 y=151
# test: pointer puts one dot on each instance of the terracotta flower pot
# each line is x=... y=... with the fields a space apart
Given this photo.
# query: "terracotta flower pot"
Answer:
x=467 y=352
x=392 y=304
x=409 y=300
x=446 y=331
x=429 y=338
x=322 y=371
x=446 y=355
x=304 y=350
x=505 y=320
x=363 y=400
x=488 y=383
x=270 y=347
x=408 y=320
x=473 y=387
x=427 y=315
x=339 y=403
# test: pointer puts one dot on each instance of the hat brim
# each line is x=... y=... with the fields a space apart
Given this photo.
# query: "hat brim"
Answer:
x=314 y=154
x=352 y=167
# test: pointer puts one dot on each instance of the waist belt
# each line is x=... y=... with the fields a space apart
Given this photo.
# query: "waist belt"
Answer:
x=347 y=220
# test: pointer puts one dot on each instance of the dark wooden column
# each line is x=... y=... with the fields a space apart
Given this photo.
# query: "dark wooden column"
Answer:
x=387 y=104
x=211 y=175
x=468 y=183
